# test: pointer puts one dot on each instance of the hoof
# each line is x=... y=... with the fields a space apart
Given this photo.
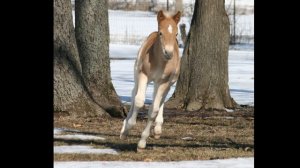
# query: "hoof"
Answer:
x=156 y=136
x=140 y=150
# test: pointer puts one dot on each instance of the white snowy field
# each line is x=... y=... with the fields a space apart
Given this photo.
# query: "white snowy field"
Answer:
x=132 y=27
x=241 y=74
x=225 y=163
x=227 y=2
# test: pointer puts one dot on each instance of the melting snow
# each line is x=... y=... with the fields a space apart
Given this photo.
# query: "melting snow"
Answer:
x=225 y=163
x=79 y=136
x=83 y=150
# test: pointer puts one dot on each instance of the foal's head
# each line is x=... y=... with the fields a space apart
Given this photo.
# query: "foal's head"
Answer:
x=167 y=29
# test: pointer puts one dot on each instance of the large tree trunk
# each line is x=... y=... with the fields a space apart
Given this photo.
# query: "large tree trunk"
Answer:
x=92 y=35
x=70 y=93
x=203 y=80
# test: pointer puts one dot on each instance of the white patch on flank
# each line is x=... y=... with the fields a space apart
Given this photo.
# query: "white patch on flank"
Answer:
x=78 y=136
x=83 y=150
x=170 y=29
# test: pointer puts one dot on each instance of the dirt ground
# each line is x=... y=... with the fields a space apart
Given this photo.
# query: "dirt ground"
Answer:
x=201 y=135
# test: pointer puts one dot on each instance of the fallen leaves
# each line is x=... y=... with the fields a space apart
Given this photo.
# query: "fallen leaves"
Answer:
x=188 y=138
x=77 y=125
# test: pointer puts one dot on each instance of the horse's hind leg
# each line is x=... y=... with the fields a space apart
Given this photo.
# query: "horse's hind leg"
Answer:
x=137 y=101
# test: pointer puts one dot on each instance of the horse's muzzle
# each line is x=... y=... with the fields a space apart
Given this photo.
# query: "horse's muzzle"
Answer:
x=168 y=55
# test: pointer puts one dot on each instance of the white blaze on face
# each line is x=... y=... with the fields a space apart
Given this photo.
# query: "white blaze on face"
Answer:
x=170 y=29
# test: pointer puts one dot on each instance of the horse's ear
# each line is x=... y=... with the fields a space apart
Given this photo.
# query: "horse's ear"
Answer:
x=160 y=16
x=176 y=17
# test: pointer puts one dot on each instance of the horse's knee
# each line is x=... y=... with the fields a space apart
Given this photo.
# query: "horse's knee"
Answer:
x=154 y=114
x=139 y=101
x=131 y=123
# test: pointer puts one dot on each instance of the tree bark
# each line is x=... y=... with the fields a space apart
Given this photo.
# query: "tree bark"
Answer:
x=183 y=33
x=92 y=35
x=203 y=80
x=70 y=93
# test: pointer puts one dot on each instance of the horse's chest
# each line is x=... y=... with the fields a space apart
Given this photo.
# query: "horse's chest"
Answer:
x=160 y=75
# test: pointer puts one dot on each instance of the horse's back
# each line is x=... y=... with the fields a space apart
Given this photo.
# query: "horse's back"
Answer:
x=147 y=44
x=144 y=51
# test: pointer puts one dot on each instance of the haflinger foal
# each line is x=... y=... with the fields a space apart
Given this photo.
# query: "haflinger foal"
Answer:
x=158 y=61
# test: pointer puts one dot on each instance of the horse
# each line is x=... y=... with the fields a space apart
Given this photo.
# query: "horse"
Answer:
x=158 y=61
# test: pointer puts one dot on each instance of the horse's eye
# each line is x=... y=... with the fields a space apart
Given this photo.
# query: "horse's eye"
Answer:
x=160 y=33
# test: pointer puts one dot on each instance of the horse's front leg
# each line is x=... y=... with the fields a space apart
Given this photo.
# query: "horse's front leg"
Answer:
x=137 y=101
x=160 y=90
x=160 y=116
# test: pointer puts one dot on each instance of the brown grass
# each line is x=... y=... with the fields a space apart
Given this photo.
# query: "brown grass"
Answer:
x=213 y=135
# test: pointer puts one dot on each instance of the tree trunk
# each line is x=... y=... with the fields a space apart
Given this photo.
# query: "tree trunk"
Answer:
x=70 y=93
x=179 y=6
x=203 y=80
x=183 y=33
x=92 y=35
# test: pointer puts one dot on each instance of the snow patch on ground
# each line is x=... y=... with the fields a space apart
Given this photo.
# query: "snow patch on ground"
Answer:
x=225 y=163
x=79 y=136
x=83 y=150
x=57 y=131
x=62 y=133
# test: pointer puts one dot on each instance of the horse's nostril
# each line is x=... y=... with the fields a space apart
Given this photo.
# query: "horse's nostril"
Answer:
x=168 y=55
